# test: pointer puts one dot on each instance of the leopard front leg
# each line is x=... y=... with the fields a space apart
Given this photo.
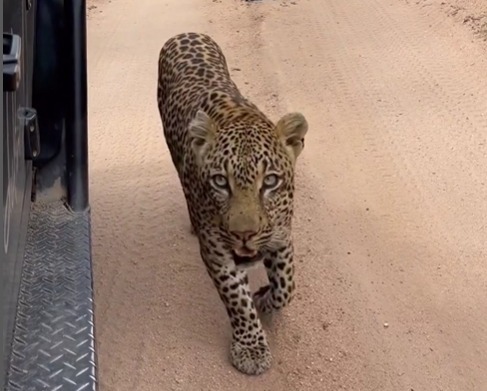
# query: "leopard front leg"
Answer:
x=250 y=351
x=280 y=271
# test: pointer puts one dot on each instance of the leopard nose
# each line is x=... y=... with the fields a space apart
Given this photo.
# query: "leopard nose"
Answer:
x=244 y=235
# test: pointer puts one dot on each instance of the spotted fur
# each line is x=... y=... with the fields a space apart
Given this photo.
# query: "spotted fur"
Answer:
x=236 y=168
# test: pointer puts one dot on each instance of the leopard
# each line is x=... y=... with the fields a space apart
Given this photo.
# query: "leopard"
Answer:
x=236 y=168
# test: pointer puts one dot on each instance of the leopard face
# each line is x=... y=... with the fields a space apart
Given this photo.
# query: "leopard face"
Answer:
x=247 y=174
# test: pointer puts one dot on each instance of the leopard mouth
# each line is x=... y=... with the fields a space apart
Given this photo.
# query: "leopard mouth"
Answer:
x=246 y=258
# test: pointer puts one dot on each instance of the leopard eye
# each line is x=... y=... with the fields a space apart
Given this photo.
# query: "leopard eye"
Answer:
x=219 y=181
x=271 y=181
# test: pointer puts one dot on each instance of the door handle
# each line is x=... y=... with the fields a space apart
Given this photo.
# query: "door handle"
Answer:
x=11 y=62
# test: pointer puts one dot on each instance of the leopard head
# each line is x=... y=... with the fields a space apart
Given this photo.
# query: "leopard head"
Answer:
x=247 y=168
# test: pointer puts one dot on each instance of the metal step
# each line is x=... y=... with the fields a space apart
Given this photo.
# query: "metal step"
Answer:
x=53 y=346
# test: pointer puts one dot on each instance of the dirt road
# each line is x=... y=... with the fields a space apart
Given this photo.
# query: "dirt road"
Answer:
x=391 y=206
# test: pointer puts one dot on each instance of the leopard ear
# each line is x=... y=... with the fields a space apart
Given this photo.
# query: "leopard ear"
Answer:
x=291 y=129
x=202 y=131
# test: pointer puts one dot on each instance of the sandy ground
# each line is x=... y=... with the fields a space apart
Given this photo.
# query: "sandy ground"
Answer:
x=391 y=206
x=471 y=13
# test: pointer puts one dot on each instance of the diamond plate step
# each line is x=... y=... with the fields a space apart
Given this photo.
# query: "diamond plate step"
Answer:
x=53 y=347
